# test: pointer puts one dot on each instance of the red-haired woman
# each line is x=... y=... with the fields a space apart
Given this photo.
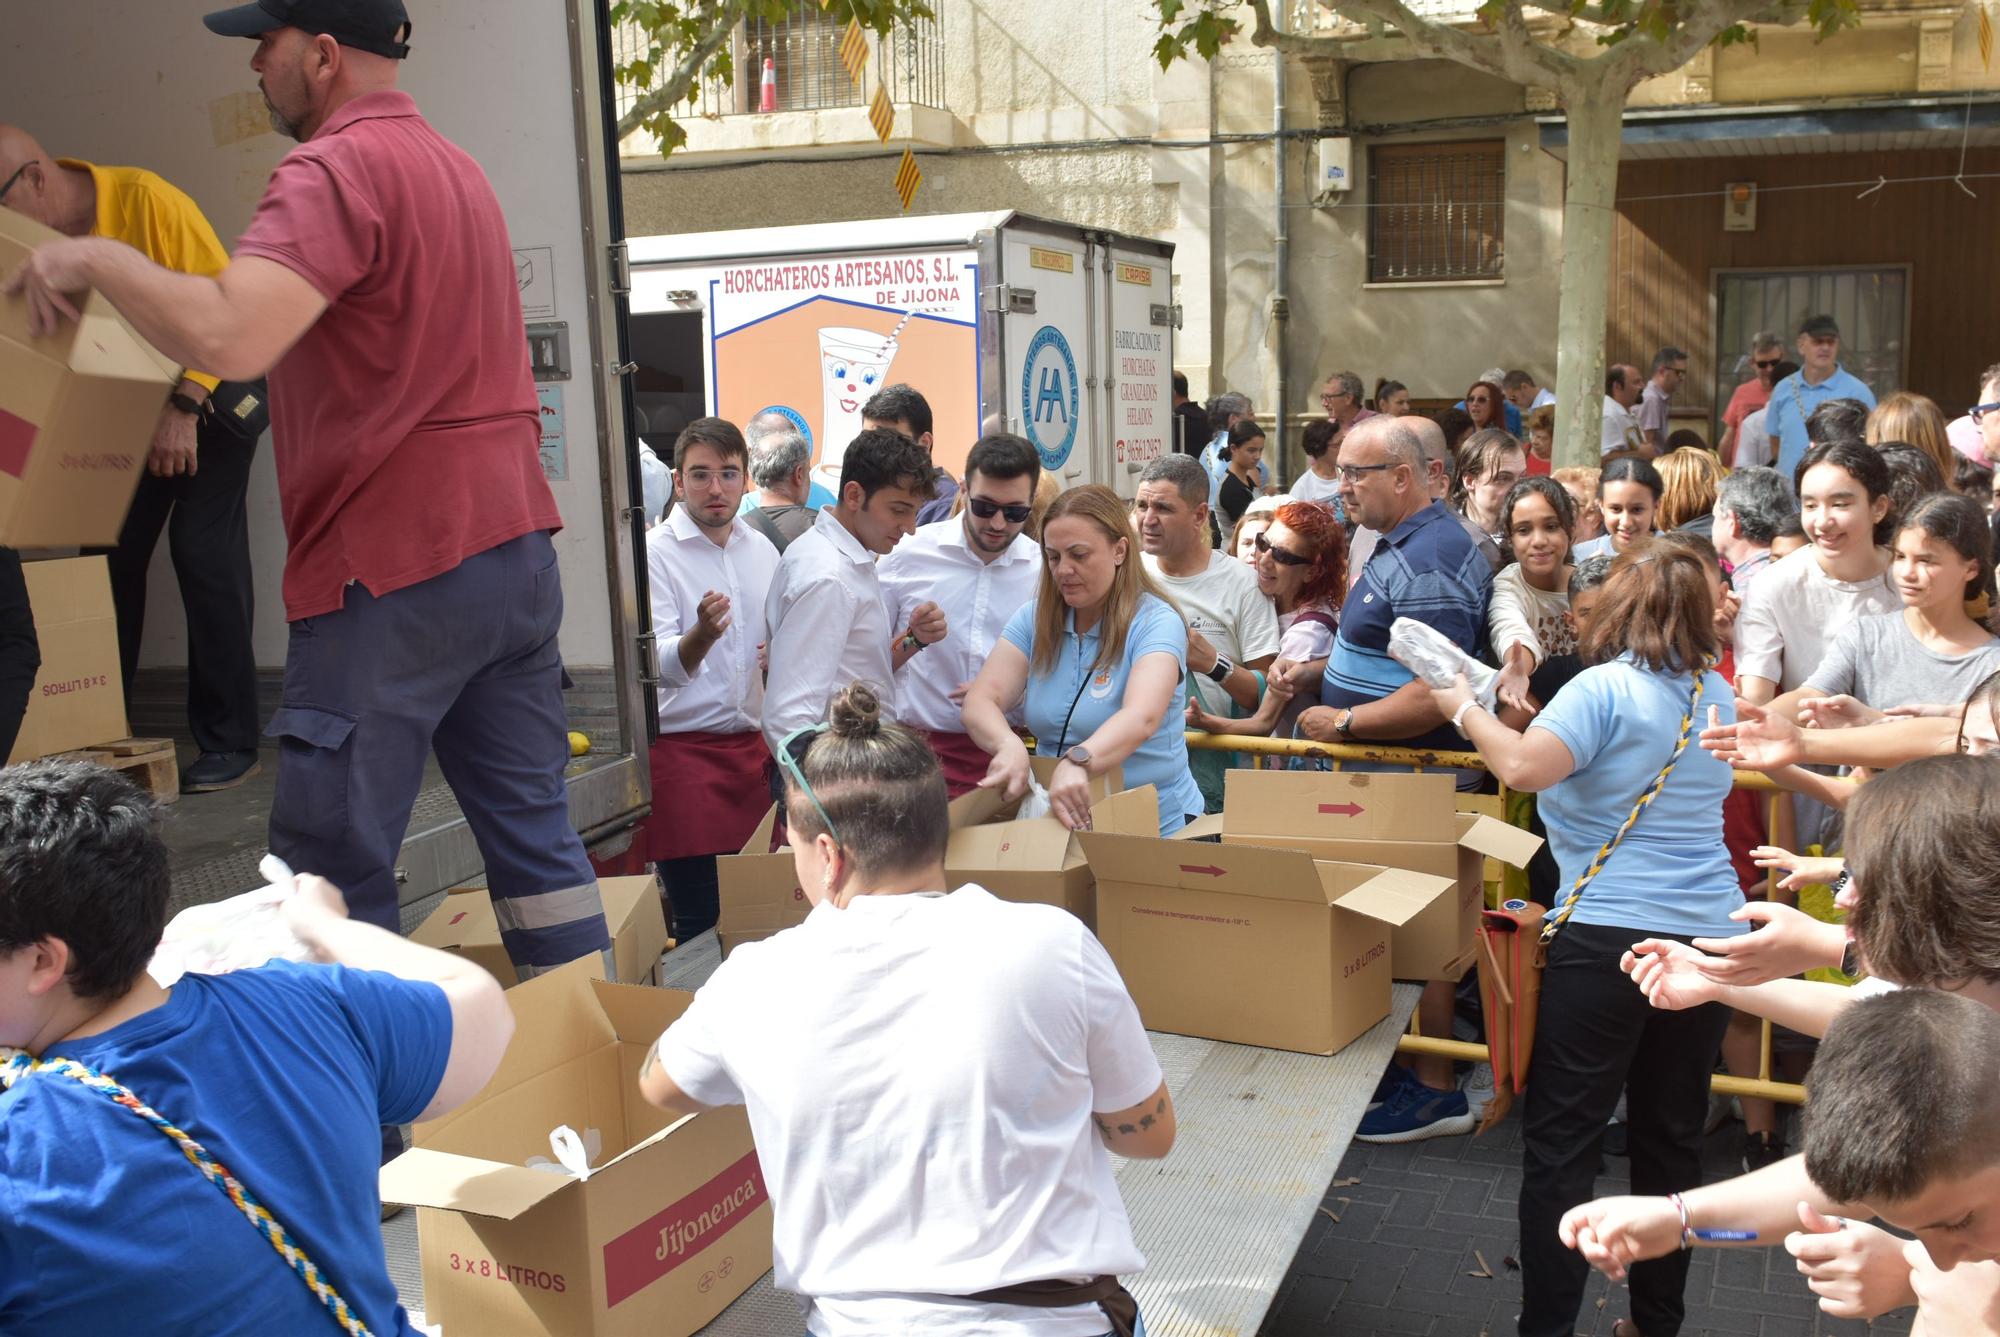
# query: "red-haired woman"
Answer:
x=1302 y=568
x=1485 y=405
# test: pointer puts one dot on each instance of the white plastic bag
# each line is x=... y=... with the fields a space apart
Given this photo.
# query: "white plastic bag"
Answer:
x=1035 y=803
x=573 y=1153
x=237 y=934
x=1437 y=659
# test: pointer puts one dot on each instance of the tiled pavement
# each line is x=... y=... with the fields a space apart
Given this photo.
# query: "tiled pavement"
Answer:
x=1398 y=1260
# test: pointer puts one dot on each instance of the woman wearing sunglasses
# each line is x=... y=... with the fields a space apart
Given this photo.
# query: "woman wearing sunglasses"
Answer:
x=1302 y=569
x=933 y=1079
x=1099 y=663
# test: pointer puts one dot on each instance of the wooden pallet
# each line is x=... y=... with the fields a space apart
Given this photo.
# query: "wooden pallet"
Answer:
x=150 y=763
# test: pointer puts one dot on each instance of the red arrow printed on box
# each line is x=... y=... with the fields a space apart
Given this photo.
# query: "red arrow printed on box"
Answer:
x=1206 y=871
x=1342 y=809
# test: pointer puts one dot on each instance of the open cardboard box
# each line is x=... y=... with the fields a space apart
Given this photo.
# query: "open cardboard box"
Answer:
x=1249 y=944
x=1396 y=821
x=465 y=924
x=1034 y=860
x=1037 y=860
x=672 y=1224
x=77 y=413
x=79 y=695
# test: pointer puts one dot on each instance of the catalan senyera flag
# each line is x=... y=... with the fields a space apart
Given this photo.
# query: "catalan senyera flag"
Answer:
x=908 y=178
x=854 y=50
x=1985 y=38
x=881 y=115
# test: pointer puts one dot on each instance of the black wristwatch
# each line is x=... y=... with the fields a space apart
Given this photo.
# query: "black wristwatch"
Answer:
x=185 y=404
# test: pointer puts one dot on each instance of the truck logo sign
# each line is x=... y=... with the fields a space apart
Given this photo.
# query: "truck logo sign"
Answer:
x=1049 y=396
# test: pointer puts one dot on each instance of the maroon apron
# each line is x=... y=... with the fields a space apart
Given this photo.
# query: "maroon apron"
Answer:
x=709 y=792
x=963 y=760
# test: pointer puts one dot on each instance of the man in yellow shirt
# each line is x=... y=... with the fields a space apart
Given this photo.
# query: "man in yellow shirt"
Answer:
x=197 y=474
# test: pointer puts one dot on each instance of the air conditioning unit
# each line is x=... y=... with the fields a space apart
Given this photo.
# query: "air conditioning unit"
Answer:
x=1335 y=160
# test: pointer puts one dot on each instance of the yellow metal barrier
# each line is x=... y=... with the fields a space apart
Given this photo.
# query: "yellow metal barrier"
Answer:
x=1760 y=1087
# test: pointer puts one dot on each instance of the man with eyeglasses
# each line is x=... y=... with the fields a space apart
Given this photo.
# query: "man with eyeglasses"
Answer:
x=1670 y=367
x=1985 y=415
x=1232 y=627
x=1819 y=378
x=1424 y=566
x=197 y=473
x=709 y=570
x=1766 y=352
x=978 y=567
x=1343 y=399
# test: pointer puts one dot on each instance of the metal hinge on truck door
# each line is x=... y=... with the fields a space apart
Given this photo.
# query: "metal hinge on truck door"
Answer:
x=1004 y=299
x=621 y=269
x=1163 y=314
x=649 y=659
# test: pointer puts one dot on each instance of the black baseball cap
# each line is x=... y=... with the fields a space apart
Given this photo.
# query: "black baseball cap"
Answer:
x=378 y=26
x=1819 y=327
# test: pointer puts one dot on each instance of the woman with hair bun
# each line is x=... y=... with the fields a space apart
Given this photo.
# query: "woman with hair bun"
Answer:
x=934 y=1077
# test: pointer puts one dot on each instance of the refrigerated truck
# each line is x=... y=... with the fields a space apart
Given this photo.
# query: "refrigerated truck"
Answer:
x=1061 y=333
x=522 y=86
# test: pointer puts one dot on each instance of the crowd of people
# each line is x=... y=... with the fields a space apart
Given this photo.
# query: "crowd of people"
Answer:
x=936 y=1078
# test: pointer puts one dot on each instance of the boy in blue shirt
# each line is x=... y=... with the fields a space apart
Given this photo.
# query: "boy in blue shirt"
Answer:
x=283 y=1074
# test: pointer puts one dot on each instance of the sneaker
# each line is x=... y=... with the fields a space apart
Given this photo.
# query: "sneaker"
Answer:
x=219 y=770
x=1414 y=1113
x=1478 y=1090
x=1762 y=1149
x=1394 y=1078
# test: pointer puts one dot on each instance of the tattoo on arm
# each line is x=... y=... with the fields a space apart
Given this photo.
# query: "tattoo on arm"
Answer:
x=1102 y=1127
x=1148 y=1120
x=1127 y=1128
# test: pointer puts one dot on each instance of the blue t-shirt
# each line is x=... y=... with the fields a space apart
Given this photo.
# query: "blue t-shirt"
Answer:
x=285 y=1073
x=817 y=497
x=1793 y=401
x=1671 y=873
x=1428 y=569
x=1162 y=760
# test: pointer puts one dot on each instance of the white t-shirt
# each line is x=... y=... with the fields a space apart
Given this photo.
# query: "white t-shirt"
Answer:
x=1753 y=443
x=1309 y=486
x=920 y=1073
x=1793 y=612
x=1621 y=429
x=1224 y=604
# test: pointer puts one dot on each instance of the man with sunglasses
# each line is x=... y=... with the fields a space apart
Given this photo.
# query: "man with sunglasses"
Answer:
x=1819 y=378
x=197 y=474
x=1766 y=352
x=978 y=568
x=1232 y=628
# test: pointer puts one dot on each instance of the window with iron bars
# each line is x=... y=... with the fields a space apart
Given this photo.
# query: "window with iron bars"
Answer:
x=804 y=51
x=1436 y=211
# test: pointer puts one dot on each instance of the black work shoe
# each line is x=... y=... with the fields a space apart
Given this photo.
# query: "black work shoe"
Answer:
x=1762 y=1149
x=219 y=770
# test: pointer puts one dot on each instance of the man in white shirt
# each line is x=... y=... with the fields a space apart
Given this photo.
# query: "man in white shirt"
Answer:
x=1621 y=392
x=1524 y=392
x=706 y=567
x=825 y=626
x=979 y=568
x=1232 y=627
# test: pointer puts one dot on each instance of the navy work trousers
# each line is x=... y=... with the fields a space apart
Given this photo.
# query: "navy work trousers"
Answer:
x=465 y=664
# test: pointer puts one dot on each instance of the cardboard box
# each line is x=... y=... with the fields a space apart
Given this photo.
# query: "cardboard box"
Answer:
x=1396 y=821
x=1249 y=944
x=672 y=1224
x=79 y=695
x=1037 y=861
x=465 y=924
x=757 y=891
x=77 y=413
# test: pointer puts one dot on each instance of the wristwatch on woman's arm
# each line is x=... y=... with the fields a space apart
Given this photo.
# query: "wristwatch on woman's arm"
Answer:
x=1078 y=755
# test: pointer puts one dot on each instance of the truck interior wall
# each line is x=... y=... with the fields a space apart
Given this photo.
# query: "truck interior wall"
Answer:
x=147 y=85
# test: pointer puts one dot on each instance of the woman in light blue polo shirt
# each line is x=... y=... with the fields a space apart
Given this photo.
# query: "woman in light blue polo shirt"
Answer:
x=1098 y=662
x=1592 y=752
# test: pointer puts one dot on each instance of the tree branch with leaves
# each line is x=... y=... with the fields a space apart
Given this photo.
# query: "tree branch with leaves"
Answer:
x=680 y=43
x=1637 y=40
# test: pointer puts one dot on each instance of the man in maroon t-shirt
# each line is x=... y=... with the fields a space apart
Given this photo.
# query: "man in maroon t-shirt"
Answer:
x=376 y=287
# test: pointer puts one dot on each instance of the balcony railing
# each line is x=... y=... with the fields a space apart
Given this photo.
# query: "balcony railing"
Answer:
x=804 y=51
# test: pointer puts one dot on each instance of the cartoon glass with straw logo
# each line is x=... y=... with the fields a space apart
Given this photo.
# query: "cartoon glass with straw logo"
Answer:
x=854 y=364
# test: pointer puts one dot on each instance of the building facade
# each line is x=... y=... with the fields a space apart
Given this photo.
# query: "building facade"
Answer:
x=1403 y=217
